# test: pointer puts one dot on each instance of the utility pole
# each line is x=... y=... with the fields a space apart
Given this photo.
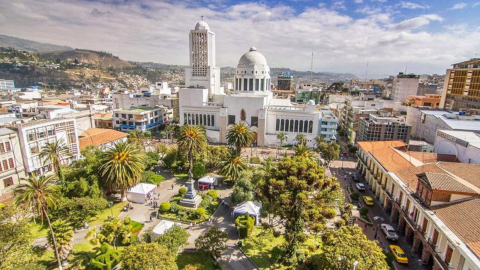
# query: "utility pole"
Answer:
x=311 y=70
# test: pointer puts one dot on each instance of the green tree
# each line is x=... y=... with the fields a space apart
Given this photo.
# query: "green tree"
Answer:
x=329 y=151
x=302 y=193
x=212 y=242
x=213 y=156
x=282 y=137
x=153 y=158
x=191 y=140
x=112 y=230
x=39 y=194
x=199 y=170
x=304 y=151
x=301 y=139
x=55 y=152
x=233 y=167
x=122 y=166
x=174 y=239
x=239 y=135
x=63 y=235
x=243 y=188
x=318 y=140
x=78 y=210
x=245 y=224
x=16 y=239
x=148 y=256
x=350 y=244
x=107 y=258
x=170 y=130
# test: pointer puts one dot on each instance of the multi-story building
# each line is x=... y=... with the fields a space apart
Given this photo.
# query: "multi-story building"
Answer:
x=7 y=84
x=302 y=96
x=429 y=100
x=103 y=120
x=404 y=85
x=461 y=90
x=141 y=118
x=35 y=134
x=431 y=200
x=383 y=127
x=425 y=122
x=465 y=145
x=285 y=81
x=148 y=99
x=11 y=162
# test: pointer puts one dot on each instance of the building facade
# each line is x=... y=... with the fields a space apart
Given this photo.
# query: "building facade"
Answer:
x=429 y=100
x=11 y=162
x=7 y=84
x=404 y=85
x=461 y=90
x=140 y=118
x=465 y=145
x=383 y=128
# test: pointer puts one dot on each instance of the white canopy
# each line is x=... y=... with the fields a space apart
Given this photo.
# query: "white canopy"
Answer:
x=138 y=193
x=162 y=227
x=252 y=208
x=208 y=180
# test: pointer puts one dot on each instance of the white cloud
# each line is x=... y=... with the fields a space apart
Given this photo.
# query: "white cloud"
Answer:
x=410 y=5
x=459 y=6
x=358 y=1
x=159 y=34
x=476 y=4
x=381 y=1
x=339 y=5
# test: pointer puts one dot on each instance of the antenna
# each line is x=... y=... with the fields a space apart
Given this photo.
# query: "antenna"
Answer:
x=366 y=73
x=311 y=70
x=202 y=17
x=406 y=70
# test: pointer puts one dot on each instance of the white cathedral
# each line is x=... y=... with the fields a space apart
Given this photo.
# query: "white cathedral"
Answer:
x=204 y=102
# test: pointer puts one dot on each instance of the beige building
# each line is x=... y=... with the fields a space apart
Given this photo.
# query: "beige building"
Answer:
x=432 y=201
x=11 y=162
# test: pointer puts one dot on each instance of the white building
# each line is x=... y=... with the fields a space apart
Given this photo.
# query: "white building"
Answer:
x=147 y=99
x=252 y=102
x=202 y=72
x=464 y=145
x=11 y=162
x=142 y=118
x=7 y=84
x=404 y=85
x=35 y=134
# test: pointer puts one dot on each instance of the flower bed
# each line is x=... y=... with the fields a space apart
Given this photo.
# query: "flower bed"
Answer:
x=202 y=213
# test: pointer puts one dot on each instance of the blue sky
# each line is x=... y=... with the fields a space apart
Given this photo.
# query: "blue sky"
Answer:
x=426 y=36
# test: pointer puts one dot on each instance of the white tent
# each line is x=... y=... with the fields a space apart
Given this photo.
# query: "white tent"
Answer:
x=252 y=208
x=138 y=193
x=206 y=182
x=162 y=227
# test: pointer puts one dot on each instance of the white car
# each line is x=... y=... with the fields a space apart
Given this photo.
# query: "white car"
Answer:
x=389 y=232
x=360 y=186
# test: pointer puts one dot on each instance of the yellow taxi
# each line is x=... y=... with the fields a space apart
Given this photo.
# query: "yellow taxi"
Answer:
x=399 y=254
x=368 y=200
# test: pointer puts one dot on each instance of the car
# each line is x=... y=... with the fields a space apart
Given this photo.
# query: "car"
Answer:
x=399 y=254
x=360 y=186
x=368 y=200
x=389 y=232
x=355 y=178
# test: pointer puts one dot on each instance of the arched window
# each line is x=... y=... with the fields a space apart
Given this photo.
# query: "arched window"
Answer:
x=291 y=125
x=208 y=120
x=189 y=121
x=277 y=125
x=282 y=125
x=300 y=128
x=213 y=121
x=310 y=127
x=196 y=119
x=296 y=125
x=287 y=125
x=305 y=126
x=204 y=119
x=185 y=118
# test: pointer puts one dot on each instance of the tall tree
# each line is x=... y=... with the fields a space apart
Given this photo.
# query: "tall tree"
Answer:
x=212 y=242
x=282 y=137
x=239 y=135
x=301 y=139
x=122 y=166
x=233 y=167
x=63 y=235
x=148 y=256
x=318 y=140
x=243 y=188
x=191 y=139
x=349 y=244
x=304 y=151
x=329 y=151
x=302 y=195
x=55 y=152
x=170 y=130
x=39 y=194
x=174 y=239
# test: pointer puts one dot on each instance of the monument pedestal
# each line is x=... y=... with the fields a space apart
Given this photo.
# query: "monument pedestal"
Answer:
x=191 y=198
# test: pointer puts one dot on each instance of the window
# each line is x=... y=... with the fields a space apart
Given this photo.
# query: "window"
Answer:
x=5 y=164
x=251 y=84
x=263 y=84
x=291 y=125
x=254 y=121
x=34 y=149
x=231 y=119
x=213 y=120
x=8 y=182
x=10 y=163
x=310 y=126
x=277 y=125
x=245 y=82
x=296 y=125
x=31 y=135
x=2 y=148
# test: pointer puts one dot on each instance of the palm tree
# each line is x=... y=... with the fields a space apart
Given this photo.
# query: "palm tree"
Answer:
x=239 y=135
x=39 y=194
x=282 y=137
x=170 y=130
x=301 y=139
x=55 y=152
x=318 y=140
x=122 y=166
x=233 y=167
x=191 y=139
x=304 y=151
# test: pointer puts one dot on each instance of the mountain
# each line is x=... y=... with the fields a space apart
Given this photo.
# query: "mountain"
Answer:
x=29 y=45
x=102 y=59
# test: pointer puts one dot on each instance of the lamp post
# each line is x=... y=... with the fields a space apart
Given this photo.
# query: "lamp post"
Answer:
x=355 y=265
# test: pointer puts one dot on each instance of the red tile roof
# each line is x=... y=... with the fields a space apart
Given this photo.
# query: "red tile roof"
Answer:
x=99 y=136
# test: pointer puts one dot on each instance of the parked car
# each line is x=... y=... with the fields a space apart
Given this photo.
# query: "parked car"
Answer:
x=368 y=200
x=360 y=186
x=355 y=178
x=389 y=232
x=399 y=254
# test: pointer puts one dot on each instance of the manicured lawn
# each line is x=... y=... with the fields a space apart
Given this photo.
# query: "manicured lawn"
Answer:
x=198 y=259
x=181 y=176
x=184 y=216
x=104 y=214
x=38 y=230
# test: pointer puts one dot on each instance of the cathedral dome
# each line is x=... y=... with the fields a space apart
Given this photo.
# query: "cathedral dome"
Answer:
x=252 y=58
x=201 y=25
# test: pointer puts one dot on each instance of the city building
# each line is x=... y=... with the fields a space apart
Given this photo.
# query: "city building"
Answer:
x=252 y=102
x=429 y=100
x=35 y=134
x=428 y=88
x=302 y=96
x=404 y=85
x=7 y=84
x=148 y=99
x=383 y=127
x=11 y=162
x=142 y=118
x=285 y=81
x=425 y=122
x=202 y=72
x=465 y=145
x=432 y=201
x=103 y=120
x=461 y=90
x=100 y=138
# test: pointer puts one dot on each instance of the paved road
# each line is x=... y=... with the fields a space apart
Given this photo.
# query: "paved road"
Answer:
x=376 y=214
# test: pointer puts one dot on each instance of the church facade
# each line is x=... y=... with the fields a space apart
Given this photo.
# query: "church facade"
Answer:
x=250 y=102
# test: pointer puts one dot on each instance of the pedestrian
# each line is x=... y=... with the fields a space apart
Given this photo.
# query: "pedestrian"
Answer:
x=85 y=224
x=223 y=203
x=158 y=196
x=366 y=226
x=150 y=218
x=172 y=186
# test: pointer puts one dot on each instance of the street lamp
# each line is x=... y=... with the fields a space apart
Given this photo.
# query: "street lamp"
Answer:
x=355 y=265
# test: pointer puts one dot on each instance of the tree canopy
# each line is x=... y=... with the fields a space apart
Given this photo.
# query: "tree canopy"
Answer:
x=174 y=239
x=148 y=256
x=239 y=135
x=212 y=242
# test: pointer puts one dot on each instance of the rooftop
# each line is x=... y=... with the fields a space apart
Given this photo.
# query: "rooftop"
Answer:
x=445 y=182
x=137 y=110
x=6 y=131
x=369 y=146
x=99 y=136
x=471 y=137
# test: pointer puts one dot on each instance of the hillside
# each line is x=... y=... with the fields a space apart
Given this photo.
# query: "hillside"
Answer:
x=29 y=45
x=102 y=59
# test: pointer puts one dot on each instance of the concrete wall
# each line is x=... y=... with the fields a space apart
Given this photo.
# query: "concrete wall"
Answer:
x=468 y=154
